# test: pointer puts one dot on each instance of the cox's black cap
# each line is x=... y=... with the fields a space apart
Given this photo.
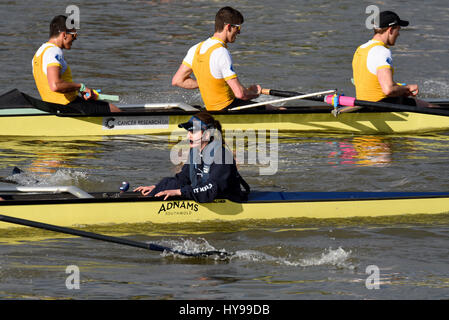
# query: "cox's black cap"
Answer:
x=195 y=123
x=390 y=19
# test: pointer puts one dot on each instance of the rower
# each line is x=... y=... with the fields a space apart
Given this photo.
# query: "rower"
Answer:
x=211 y=63
x=53 y=76
x=373 y=70
x=210 y=171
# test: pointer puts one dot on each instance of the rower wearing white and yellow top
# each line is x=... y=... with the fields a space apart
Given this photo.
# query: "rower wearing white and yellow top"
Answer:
x=50 y=55
x=53 y=76
x=211 y=63
x=373 y=70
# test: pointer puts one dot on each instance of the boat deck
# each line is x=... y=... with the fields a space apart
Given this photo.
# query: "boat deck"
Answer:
x=254 y=197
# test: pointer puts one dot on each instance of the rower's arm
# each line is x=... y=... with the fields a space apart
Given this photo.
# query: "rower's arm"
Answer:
x=391 y=88
x=57 y=84
x=183 y=79
x=241 y=92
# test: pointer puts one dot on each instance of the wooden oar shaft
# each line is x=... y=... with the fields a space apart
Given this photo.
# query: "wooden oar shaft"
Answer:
x=101 y=237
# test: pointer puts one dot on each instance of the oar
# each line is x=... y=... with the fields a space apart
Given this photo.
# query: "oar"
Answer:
x=352 y=102
x=291 y=97
x=96 y=236
x=281 y=93
x=4 y=180
x=15 y=171
x=163 y=105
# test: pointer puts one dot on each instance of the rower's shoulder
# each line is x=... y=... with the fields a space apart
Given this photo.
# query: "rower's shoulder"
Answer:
x=379 y=51
x=373 y=48
x=49 y=47
x=366 y=44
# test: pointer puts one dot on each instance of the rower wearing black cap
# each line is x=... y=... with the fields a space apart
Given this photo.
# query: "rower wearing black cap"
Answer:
x=210 y=171
x=373 y=70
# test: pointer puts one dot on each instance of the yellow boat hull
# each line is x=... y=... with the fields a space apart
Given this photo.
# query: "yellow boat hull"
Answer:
x=320 y=122
x=117 y=211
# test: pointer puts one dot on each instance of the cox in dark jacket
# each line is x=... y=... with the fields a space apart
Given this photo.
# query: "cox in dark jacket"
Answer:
x=210 y=171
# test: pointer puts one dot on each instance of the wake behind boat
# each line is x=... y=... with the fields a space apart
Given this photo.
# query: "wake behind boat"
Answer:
x=23 y=115
x=69 y=206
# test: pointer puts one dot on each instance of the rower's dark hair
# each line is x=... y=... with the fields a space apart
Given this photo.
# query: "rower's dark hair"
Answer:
x=58 y=25
x=227 y=15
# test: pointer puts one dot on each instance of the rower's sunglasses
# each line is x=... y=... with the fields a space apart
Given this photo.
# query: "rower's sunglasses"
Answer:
x=73 y=33
x=238 y=26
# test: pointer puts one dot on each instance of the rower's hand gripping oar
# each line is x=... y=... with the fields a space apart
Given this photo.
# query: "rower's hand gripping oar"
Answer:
x=101 y=96
x=96 y=236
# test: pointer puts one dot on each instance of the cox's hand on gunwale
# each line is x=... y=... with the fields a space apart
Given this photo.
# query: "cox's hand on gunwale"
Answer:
x=144 y=190
x=168 y=193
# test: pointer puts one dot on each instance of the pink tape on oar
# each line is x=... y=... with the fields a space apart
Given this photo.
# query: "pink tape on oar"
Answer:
x=341 y=100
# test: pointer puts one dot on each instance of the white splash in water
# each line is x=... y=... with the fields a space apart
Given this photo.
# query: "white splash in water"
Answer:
x=190 y=246
x=65 y=176
x=338 y=257
x=59 y=177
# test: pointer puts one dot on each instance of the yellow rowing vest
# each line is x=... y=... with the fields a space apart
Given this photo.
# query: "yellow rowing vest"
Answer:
x=216 y=93
x=367 y=85
x=42 y=81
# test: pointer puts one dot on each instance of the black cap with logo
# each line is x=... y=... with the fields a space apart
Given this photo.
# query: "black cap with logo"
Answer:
x=390 y=19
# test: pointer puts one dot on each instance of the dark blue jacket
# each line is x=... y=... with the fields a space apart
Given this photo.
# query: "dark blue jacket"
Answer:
x=204 y=180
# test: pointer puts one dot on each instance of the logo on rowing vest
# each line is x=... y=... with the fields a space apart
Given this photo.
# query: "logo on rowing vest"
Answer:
x=178 y=208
